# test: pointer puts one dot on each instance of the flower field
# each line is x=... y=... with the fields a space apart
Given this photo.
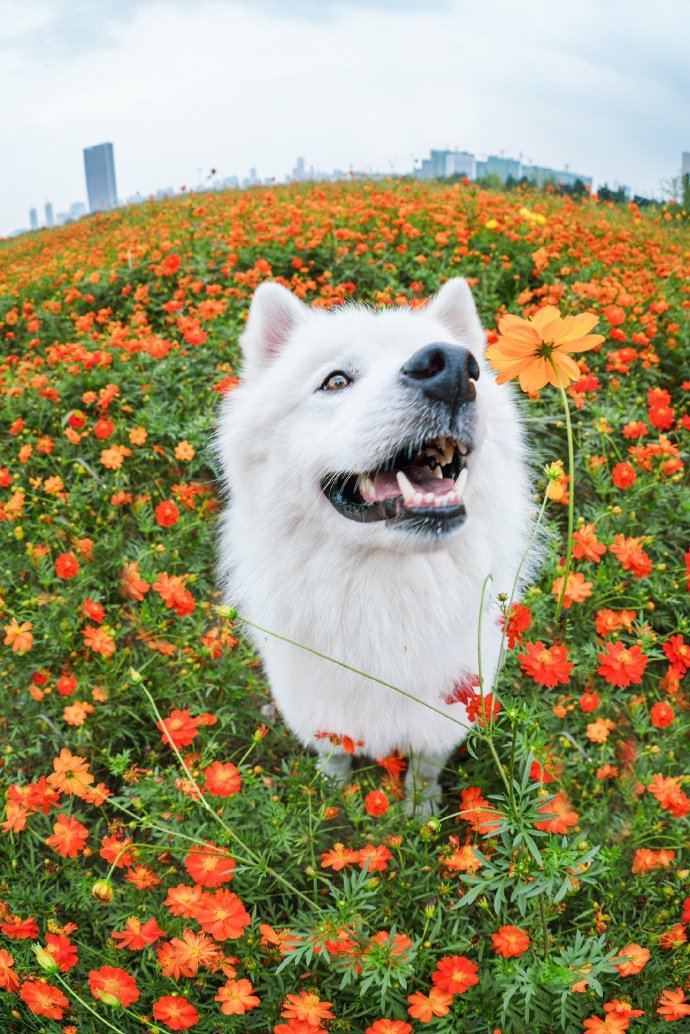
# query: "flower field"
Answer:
x=170 y=859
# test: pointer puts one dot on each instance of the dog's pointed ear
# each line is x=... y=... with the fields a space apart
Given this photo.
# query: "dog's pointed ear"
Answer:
x=454 y=306
x=273 y=316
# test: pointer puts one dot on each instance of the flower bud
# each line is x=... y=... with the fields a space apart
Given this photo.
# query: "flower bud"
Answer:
x=45 y=960
x=103 y=891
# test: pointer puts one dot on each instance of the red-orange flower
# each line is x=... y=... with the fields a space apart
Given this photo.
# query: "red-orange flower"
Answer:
x=210 y=865
x=222 y=915
x=112 y=985
x=62 y=950
x=237 y=997
x=183 y=900
x=137 y=935
x=673 y=1005
x=43 y=999
x=621 y=665
x=455 y=974
x=389 y=1027
x=548 y=666
x=9 y=980
x=68 y=837
x=66 y=566
x=536 y=350
x=376 y=803
x=71 y=774
x=222 y=779
x=586 y=545
x=425 y=1007
x=175 y=1012
x=563 y=816
x=307 y=1007
x=510 y=941
x=338 y=857
x=179 y=728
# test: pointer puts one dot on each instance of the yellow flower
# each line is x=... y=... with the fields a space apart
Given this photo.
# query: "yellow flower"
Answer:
x=536 y=350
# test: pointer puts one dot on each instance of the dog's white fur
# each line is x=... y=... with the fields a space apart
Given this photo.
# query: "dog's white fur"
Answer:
x=400 y=606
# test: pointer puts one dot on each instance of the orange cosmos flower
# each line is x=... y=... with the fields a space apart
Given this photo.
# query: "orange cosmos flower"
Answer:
x=183 y=900
x=142 y=877
x=222 y=779
x=621 y=665
x=132 y=586
x=478 y=812
x=112 y=985
x=99 y=640
x=577 y=589
x=338 y=857
x=69 y=837
x=210 y=865
x=425 y=1007
x=9 y=980
x=18 y=636
x=646 y=860
x=66 y=566
x=237 y=997
x=613 y=1023
x=307 y=1007
x=548 y=666
x=608 y=621
x=389 y=1027
x=43 y=999
x=179 y=728
x=662 y=714
x=631 y=555
x=375 y=857
x=455 y=974
x=673 y=1005
x=536 y=350
x=510 y=941
x=71 y=774
x=137 y=935
x=175 y=1012
x=62 y=950
x=376 y=803
x=117 y=851
x=222 y=915
x=562 y=814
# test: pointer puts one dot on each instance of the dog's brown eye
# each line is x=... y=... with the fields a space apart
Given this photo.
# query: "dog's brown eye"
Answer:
x=336 y=381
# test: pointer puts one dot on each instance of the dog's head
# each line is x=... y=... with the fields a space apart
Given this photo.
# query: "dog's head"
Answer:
x=371 y=421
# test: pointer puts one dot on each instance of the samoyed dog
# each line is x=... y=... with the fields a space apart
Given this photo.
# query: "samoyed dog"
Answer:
x=377 y=491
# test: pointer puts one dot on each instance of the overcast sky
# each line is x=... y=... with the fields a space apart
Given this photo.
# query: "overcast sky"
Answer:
x=184 y=86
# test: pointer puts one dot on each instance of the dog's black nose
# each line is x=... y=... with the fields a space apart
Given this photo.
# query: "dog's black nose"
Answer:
x=444 y=372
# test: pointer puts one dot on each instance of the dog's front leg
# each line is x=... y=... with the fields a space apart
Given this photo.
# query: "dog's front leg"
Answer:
x=335 y=765
x=422 y=788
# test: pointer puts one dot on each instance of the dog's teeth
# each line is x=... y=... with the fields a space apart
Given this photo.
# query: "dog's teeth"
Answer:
x=429 y=498
x=438 y=473
x=417 y=499
x=405 y=486
x=366 y=488
x=461 y=481
x=463 y=448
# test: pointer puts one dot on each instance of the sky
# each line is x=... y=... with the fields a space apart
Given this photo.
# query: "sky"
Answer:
x=181 y=87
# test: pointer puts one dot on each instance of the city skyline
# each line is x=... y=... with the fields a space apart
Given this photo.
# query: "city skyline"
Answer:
x=183 y=87
x=443 y=162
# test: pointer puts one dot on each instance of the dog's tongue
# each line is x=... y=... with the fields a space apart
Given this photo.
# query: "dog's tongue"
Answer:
x=422 y=479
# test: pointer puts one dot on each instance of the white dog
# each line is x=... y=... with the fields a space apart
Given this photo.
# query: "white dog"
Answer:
x=376 y=477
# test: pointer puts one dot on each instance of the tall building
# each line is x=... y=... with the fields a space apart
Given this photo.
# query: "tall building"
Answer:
x=33 y=218
x=50 y=221
x=685 y=164
x=99 y=166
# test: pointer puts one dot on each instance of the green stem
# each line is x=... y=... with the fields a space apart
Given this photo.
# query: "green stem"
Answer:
x=356 y=671
x=571 y=494
x=544 y=927
x=256 y=860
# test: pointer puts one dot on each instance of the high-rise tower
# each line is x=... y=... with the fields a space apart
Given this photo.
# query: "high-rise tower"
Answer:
x=99 y=166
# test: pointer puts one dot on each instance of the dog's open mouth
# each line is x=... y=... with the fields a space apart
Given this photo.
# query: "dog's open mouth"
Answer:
x=424 y=485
